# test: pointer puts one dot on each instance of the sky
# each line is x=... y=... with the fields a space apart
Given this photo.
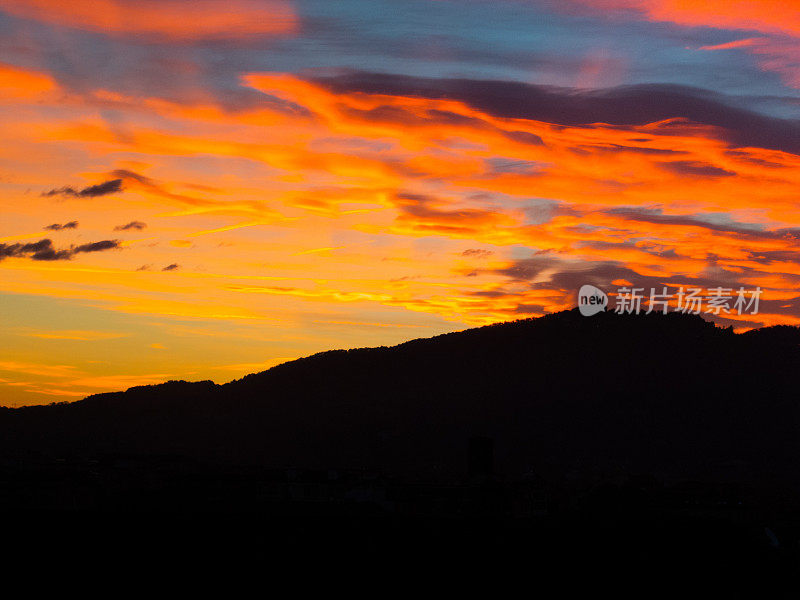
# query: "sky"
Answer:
x=201 y=189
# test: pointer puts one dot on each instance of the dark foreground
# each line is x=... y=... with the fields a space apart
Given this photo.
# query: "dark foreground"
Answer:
x=631 y=454
x=631 y=535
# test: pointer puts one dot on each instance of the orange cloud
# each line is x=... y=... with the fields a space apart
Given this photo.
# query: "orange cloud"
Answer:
x=774 y=16
x=362 y=206
x=19 y=84
x=78 y=335
x=164 y=19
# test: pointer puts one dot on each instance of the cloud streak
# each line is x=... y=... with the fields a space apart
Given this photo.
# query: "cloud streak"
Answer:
x=93 y=191
x=165 y=20
x=635 y=105
x=45 y=251
x=133 y=225
x=60 y=226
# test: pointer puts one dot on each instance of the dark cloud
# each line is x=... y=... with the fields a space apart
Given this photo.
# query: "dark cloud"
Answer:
x=97 y=246
x=446 y=117
x=402 y=116
x=566 y=277
x=619 y=148
x=523 y=137
x=397 y=114
x=424 y=208
x=530 y=309
x=102 y=189
x=172 y=267
x=477 y=253
x=695 y=169
x=749 y=230
x=64 y=191
x=770 y=256
x=138 y=225
x=44 y=250
x=41 y=250
x=622 y=106
x=745 y=157
x=530 y=268
x=498 y=293
x=498 y=165
x=154 y=186
x=653 y=249
x=58 y=227
x=93 y=191
x=126 y=174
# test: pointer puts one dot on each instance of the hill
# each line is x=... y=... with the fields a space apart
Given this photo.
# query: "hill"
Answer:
x=668 y=395
x=586 y=448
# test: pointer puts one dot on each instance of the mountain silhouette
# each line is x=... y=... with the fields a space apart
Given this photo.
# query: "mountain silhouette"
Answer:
x=668 y=395
x=591 y=448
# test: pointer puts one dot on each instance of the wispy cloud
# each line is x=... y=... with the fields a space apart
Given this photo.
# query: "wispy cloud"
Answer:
x=44 y=250
x=59 y=227
x=135 y=225
x=93 y=191
x=77 y=335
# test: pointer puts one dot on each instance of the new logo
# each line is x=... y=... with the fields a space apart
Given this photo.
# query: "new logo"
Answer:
x=591 y=300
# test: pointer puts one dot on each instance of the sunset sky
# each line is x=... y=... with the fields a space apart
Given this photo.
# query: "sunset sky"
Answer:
x=201 y=189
